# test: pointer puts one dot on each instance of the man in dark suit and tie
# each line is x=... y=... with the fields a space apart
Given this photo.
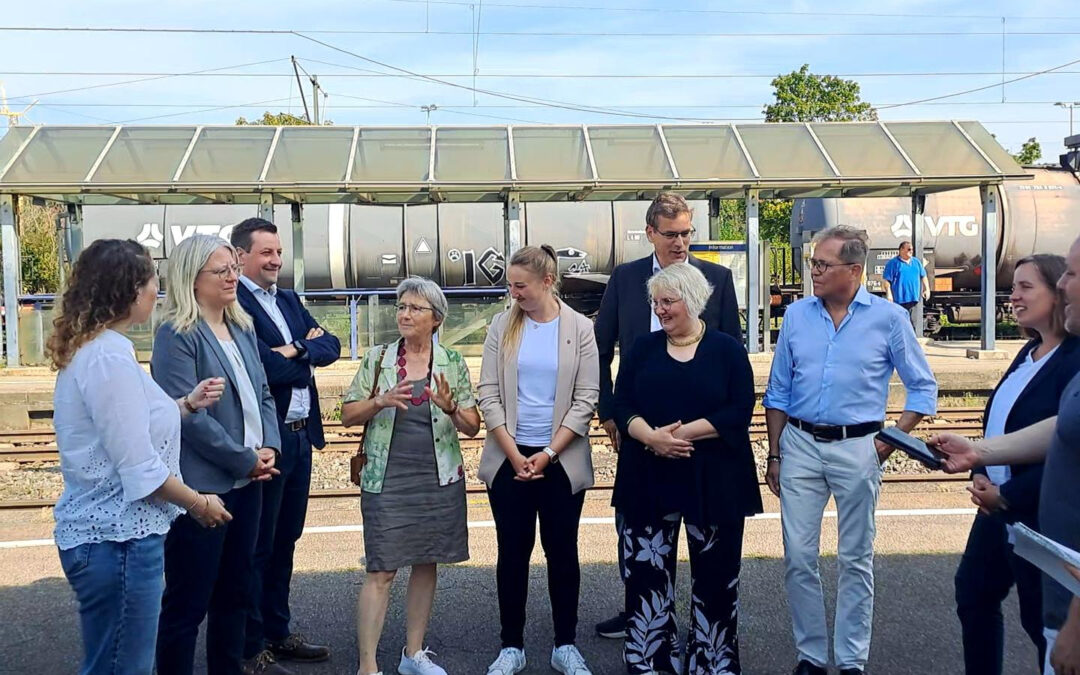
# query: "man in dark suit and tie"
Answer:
x=291 y=346
x=625 y=315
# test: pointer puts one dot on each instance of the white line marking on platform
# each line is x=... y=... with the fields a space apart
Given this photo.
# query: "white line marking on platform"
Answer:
x=486 y=524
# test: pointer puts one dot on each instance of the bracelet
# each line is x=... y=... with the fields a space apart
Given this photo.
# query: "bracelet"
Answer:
x=773 y=458
x=187 y=405
x=195 y=501
x=452 y=411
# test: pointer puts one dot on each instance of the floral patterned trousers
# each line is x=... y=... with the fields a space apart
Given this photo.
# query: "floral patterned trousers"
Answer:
x=652 y=641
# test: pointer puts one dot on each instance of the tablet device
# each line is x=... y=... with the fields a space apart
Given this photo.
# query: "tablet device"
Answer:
x=910 y=446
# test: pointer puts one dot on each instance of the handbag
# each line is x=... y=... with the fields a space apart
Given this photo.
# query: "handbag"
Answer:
x=357 y=462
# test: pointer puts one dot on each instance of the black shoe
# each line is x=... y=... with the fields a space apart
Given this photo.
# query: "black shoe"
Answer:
x=263 y=663
x=807 y=668
x=296 y=648
x=614 y=628
x=851 y=671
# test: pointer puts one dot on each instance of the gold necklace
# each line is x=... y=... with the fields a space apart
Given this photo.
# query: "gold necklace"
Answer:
x=692 y=341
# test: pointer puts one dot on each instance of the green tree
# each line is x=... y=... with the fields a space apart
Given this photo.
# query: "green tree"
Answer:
x=278 y=120
x=802 y=96
x=1030 y=152
x=39 y=247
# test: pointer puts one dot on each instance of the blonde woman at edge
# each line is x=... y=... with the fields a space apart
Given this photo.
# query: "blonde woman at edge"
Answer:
x=539 y=384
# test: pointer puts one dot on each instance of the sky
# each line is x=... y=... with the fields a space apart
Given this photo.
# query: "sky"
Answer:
x=574 y=61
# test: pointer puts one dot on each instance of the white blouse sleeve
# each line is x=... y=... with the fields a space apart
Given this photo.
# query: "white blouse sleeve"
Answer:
x=113 y=390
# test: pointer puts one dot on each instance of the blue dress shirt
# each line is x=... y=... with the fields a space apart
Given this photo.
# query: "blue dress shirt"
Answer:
x=840 y=376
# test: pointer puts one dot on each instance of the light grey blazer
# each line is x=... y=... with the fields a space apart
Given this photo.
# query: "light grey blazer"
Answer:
x=212 y=453
x=576 y=393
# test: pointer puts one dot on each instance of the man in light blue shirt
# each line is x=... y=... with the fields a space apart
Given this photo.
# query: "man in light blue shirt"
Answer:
x=825 y=401
x=905 y=279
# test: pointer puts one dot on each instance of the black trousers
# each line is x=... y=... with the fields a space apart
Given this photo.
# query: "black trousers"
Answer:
x=988 y=569
x=650 y=549
x=284 y=510
x=208 y=575
x=516 y=505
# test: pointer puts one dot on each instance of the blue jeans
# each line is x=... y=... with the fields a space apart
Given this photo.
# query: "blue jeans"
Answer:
x=118 y=586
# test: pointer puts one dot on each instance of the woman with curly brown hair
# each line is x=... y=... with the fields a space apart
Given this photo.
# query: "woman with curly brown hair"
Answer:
x=118 y=435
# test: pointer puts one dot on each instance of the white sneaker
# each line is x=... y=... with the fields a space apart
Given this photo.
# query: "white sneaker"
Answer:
x=419 y=664
x=510 y=660
x=569 y=661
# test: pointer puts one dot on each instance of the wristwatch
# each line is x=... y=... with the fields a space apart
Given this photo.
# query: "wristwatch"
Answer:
x=552 y=455
x=299 y=347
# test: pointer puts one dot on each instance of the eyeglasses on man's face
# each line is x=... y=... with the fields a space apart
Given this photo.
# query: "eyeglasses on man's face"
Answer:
x=410 y=309
x=822 y=266
x=665 y=303
x=222 y=273
x=673 y=234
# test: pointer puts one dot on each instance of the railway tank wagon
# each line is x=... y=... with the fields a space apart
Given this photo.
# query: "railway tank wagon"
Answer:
x=1039 y=216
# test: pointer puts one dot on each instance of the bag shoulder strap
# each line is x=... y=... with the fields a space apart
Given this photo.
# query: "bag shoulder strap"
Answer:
x=378 y=371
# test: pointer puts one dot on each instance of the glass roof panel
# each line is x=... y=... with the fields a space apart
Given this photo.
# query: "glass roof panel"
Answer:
x=59 y=155
x=10 y=143
x=472 y=154
x=629 y=153
x=703 y=152
x=310 y=154
x=997 y=154
x=144 y=155
x=392 y=155
x=228 y=155
x=784 y=151
x=861 y=149
x=550 y=153
x=938 y=149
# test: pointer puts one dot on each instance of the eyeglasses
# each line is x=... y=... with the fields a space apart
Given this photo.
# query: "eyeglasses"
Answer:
x=672 y=236
x=223 y=273
x=405 y=308
x=821 y=266
x=665 y=303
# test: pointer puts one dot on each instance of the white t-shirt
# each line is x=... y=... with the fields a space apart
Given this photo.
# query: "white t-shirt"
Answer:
x=253 y=431
x=1004 y=400
x=538 y=371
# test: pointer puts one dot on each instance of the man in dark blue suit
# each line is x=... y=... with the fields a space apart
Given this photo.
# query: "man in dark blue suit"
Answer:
x=291 y=346
x=625 y=315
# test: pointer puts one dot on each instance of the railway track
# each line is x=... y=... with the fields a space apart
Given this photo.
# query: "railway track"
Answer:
x=39 y=445
x=352 y=493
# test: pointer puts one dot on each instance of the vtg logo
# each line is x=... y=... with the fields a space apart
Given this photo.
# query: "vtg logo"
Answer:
x=950 y=226
x=151 y=236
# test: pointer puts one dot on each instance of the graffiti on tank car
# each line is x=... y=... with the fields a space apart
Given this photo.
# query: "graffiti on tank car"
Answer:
x=574 y=260
x=949 y=226
x=491 y=264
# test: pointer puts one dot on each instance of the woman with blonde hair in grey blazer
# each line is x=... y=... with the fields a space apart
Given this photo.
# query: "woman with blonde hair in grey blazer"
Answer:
x=539 y=384
x=226 y=450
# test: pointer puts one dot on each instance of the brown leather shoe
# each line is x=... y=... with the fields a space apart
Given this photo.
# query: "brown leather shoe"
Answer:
x=297 y=648
x=263 y=663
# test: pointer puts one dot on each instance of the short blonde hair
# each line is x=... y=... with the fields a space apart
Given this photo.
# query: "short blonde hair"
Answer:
x=687 y=282
x=185 y=263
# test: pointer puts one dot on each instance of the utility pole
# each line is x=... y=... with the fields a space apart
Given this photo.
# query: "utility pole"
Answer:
x=315 y=96
x=1069 y=106
x=428 y=109
x=300 y=87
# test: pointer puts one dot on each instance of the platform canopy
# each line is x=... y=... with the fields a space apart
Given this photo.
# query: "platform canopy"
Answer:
x=395 y=165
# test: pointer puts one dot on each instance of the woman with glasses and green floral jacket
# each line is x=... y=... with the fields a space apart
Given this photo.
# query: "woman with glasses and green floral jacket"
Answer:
x=413 y=482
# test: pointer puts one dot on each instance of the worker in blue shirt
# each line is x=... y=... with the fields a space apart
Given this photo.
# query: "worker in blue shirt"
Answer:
x=824 y=402
x=905 y=279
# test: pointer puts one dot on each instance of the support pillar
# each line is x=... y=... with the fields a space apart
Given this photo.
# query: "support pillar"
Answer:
x=991 y=210
x=511 y=226
x=753 y=272
x=299 y=281
x=266 y=207
x=9 y=245
x=918 y=206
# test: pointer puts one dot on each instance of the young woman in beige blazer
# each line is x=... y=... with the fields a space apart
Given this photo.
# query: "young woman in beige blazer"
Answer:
x=539 y=384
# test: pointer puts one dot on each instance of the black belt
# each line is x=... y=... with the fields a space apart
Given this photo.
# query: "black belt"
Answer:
x=827 y=433
x=297 y=425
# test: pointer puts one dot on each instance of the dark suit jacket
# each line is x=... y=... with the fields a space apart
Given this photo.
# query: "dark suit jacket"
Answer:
x=285 y=374
x=212 y=452
x=625 y=314
x=1037 y=402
